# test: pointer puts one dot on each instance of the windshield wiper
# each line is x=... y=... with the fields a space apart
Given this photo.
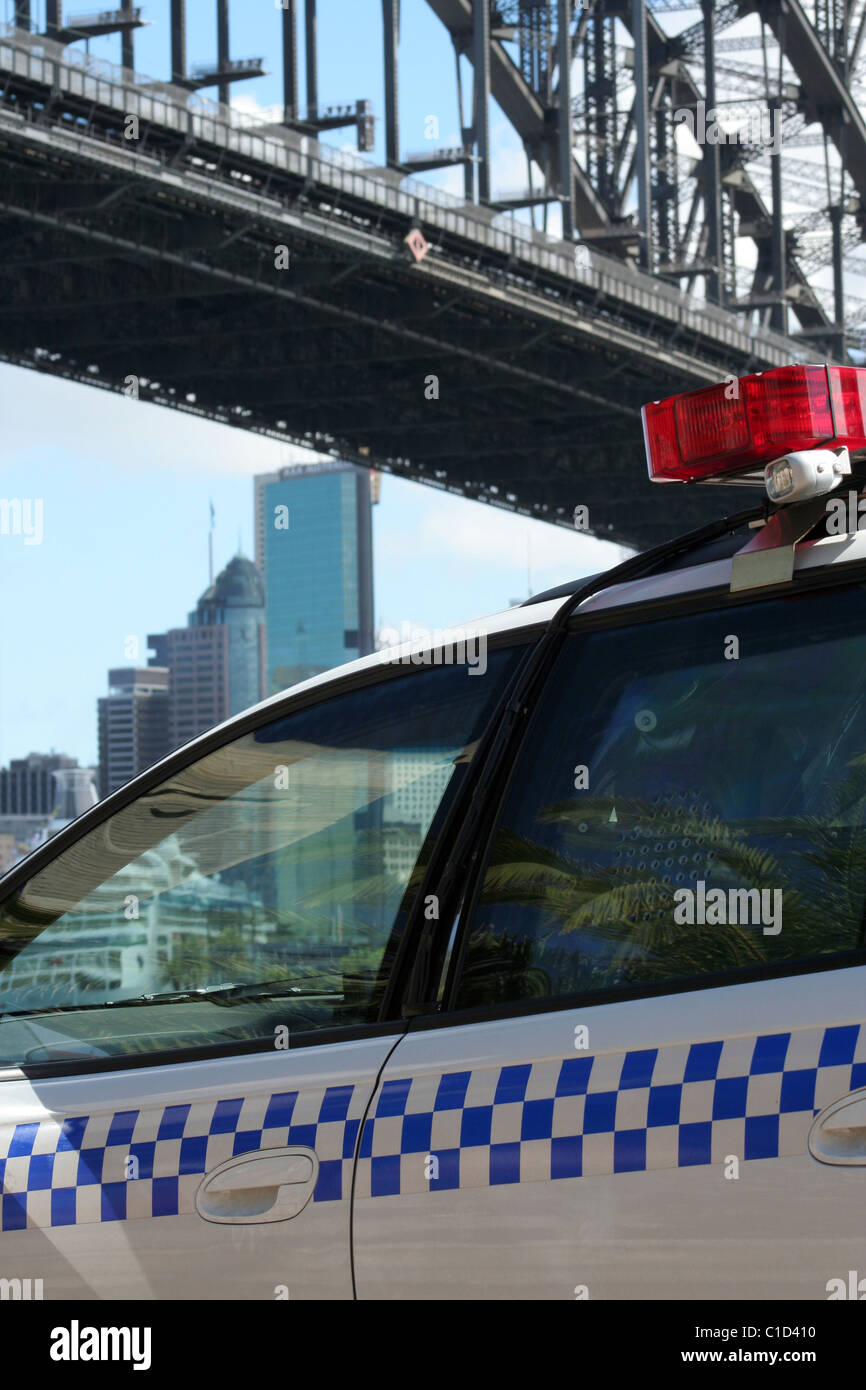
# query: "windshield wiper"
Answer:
x=224 y=995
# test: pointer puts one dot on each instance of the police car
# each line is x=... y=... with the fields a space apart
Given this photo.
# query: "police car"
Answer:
x=528 y=966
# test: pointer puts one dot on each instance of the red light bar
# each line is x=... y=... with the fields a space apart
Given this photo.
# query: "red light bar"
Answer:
x=749 y=421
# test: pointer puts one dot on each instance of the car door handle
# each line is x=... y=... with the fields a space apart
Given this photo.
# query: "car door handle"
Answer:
x=268 y=1185
x=838 y=1134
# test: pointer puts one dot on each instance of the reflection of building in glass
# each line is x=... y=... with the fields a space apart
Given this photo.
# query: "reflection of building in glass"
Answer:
x=400 y=846
x=158 y=911
x=370 y=826
x=329 y=848
x=418 y=781
x=314 y=547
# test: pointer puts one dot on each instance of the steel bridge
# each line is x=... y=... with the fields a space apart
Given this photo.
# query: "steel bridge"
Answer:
x=499 y=344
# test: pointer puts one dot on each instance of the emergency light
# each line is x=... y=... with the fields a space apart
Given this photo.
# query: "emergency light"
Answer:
x=721 y=433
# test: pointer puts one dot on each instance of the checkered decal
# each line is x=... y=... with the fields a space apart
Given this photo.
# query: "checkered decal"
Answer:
x=677 y=1106
x=668 y=1107
x=77 y=1170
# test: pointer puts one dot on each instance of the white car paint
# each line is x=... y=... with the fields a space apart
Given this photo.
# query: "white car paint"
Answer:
x=780 y=1229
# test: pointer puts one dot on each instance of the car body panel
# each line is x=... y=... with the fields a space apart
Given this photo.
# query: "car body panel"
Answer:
x=607 y=1168
x=77 y=1214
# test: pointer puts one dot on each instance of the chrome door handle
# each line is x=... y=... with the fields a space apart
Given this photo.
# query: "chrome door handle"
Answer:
x=838 y=1134
x=265 y=1185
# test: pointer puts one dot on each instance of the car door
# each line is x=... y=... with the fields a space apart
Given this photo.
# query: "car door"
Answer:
x=647 y=1078
x=194 y=994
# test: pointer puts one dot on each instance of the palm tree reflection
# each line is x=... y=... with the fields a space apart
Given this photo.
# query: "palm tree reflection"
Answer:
x=588 y=905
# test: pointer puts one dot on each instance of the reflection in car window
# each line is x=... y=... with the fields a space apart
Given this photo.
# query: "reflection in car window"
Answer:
x=719 y=822
x=262 y=887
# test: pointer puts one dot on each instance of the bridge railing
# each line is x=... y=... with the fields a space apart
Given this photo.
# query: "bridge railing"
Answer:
x=262 y=139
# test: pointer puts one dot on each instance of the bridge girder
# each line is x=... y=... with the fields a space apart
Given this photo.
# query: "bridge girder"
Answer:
x=705 y=246
x=826 y=97
x=155 y=262
x=535 y=116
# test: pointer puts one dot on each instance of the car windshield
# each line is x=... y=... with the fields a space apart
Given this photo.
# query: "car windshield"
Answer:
x=263 y=885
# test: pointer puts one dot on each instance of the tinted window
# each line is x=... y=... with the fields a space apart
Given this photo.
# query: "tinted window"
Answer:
x=260 y=889
x=720 y=821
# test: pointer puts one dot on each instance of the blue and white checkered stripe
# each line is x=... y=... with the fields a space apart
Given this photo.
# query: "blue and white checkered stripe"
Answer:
x=676 y=1106
x=77 y=1170
x=669 y=1107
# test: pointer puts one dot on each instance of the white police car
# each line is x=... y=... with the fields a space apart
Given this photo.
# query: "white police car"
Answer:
x=536 y=976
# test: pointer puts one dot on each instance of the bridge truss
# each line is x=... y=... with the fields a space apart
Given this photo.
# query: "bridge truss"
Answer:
x=638 y=259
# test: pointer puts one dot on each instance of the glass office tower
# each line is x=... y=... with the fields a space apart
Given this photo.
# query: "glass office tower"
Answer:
x=314 y=547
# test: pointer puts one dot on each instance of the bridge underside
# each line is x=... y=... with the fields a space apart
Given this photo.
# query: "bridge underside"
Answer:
x=204 y=281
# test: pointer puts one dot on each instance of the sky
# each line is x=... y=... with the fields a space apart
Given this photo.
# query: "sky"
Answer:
x=125 y=486
x=125 y=489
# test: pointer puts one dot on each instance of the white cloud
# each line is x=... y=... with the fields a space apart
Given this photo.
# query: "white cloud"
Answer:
x=247 y=105
x=101 y=427
x=475 y=533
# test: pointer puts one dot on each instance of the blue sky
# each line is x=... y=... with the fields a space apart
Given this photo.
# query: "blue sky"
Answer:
x=125 y=486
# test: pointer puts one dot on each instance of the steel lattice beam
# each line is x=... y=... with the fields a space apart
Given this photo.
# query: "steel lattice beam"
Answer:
x=825 y=96
x=600 y=186
x=139 y=272
x=156 y=260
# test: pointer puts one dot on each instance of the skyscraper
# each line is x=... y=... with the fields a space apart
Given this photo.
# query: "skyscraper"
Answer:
x=133 y=724
x=314 y=547
x=39 y=794
x=197 y=661
x=28 y=786
x=236 y=601
x=217 y=660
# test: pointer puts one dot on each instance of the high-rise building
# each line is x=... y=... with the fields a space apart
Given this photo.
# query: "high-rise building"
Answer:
x=217 y=661
x=28 y=786
x=418 y=780
x=133 y=724
x=76 y=791
x=38 y=795
x=314 y=547
x=236 y=601
x=197 y=659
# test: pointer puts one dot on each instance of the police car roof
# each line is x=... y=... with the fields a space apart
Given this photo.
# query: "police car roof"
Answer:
x=721 y=548
x=707 y=567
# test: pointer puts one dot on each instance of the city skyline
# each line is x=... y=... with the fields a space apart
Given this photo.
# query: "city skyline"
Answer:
x=124 y=493
x=127 y=485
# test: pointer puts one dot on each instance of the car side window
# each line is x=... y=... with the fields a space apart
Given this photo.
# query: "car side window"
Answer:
x=689 y=800
x=259 y=888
